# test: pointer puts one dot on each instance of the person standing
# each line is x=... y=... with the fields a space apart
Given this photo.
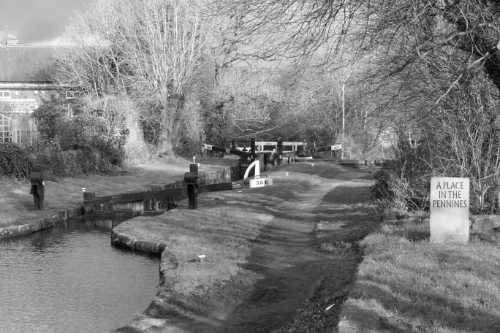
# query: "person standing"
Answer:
x=37 y=187
x=274 y=157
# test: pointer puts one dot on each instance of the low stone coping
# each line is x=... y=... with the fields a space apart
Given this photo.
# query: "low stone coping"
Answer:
x=38 y=225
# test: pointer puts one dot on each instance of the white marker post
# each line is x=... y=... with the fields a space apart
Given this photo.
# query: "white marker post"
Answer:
x=449 y=203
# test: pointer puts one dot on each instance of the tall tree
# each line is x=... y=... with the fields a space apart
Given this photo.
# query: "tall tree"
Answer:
x=405 y=30
x=148 y=49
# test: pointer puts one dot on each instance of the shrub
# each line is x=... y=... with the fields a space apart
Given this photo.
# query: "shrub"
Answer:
x=49 y=117
x=84 y=160
x=14 y=161
x=400 y=186
x=90 y=142
x=187 y=148
x=150 y=121
x=111 y=150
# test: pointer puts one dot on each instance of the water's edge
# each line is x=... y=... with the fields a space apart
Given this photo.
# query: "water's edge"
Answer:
x=65 y=216
x=59 y=218
x=168 y=264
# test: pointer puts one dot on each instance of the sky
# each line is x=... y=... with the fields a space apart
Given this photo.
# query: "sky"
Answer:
x=37 y=20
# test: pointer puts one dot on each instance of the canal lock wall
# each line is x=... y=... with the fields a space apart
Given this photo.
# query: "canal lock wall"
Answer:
x=107 y=212
x=105 y=215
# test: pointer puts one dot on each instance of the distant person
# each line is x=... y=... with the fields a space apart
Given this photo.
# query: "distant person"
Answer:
x=274 y=157
x=192 y=190
x=265 y=160
x=37 y=186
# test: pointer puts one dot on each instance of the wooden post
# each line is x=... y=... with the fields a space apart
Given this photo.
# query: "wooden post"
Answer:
x=88 y=196
x=191 y=179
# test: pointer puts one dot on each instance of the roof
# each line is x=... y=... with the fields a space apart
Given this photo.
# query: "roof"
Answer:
x=32 y=85
x=26 y=64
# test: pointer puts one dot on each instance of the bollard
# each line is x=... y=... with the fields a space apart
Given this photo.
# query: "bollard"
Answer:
x=265 y=161
x=88 y=196
x=191 y=180
x=193 y=168
x=37 y=187
x=279 y=150
x=252 y=149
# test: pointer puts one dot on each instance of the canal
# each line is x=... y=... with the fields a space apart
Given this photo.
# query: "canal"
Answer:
x=70 y=279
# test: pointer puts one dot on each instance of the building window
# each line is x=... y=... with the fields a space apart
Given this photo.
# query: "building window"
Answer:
x=5 y=130
x=4 y=94
x=70 y=94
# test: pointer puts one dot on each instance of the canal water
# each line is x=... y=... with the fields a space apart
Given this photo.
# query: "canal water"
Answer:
x=70 y=279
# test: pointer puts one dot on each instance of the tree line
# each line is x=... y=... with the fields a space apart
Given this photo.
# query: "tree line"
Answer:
x=421 y=74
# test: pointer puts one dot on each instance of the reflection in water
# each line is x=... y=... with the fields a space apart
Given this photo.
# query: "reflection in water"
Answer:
x=71 y=280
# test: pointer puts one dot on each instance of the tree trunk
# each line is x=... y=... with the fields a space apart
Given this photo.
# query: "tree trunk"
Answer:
x=136 y=150
x=171 y=118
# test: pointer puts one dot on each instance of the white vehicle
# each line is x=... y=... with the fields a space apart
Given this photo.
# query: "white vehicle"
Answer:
x=289 y=147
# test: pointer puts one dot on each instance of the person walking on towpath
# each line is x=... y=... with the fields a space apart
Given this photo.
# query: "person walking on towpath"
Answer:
x=37 y=186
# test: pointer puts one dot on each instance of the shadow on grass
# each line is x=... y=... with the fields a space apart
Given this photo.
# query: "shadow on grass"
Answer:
x=412 y=311
x=408 y=286
x=300 y=280
x=329 y=170
x=411 y=230
x=347 y=195
x=286 y=190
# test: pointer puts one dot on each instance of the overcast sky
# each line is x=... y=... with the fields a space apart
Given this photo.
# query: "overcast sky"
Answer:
x=35 y=20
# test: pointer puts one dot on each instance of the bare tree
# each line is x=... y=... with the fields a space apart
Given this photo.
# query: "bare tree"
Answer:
x=417 y=25
x=164 y=48
x=93 y=58
x=146 y=49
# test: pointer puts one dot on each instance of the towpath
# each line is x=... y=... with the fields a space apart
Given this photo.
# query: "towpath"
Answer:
x=276 y=259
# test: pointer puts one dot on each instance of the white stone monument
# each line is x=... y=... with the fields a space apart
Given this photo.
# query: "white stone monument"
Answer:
x=449 y=205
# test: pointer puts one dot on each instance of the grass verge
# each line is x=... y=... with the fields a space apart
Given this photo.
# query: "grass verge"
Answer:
x=407 y=284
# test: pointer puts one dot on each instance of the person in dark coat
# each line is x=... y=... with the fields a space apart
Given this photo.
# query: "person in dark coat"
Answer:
x=274 y=157
x=37 y=187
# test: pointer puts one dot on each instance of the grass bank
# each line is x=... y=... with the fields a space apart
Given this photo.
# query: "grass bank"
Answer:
x=407 y=284
x=16 y=203
x=253 y=260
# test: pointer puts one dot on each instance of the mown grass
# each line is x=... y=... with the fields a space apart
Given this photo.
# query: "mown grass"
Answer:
x=407 y=284
x=326 y=170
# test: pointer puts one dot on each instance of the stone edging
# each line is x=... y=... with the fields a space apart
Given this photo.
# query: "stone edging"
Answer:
x=42 y=224
x=167 y=279
x=124 y=241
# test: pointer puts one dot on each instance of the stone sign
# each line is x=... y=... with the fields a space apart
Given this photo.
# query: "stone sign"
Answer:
x=260 y=182
x=449 y=204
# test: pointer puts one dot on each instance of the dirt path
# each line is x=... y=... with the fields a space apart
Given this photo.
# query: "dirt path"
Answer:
x=307 y=259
